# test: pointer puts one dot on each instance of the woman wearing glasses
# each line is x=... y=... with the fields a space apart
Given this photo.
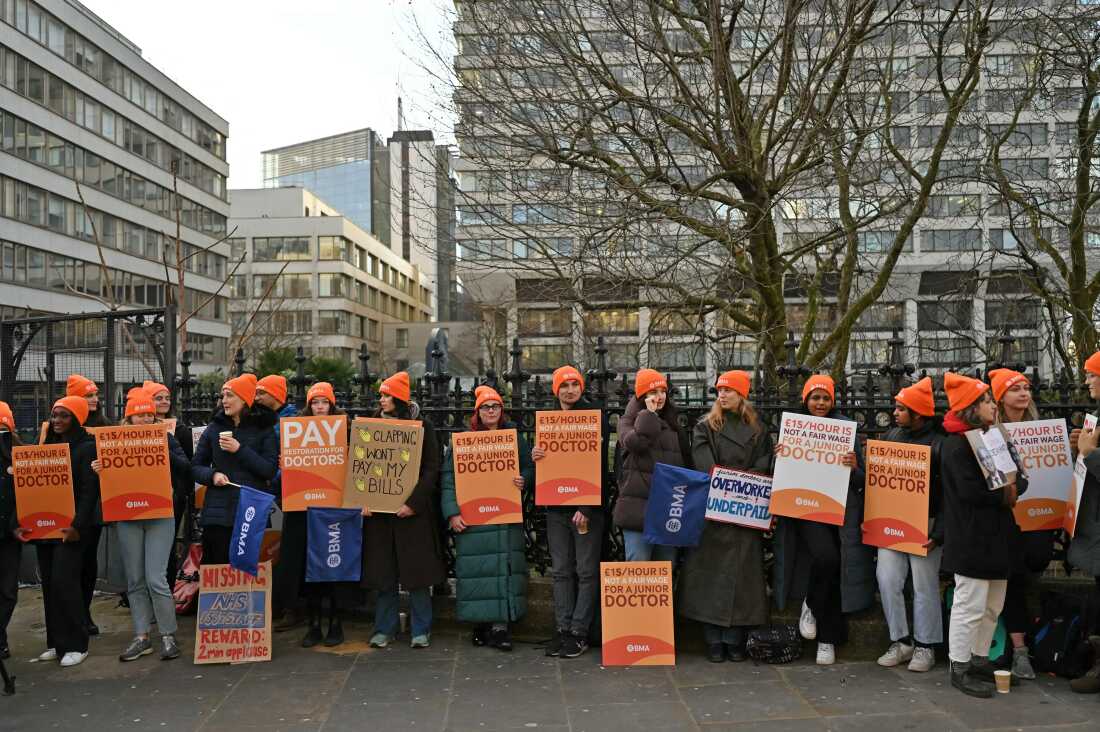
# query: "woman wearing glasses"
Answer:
x=490 y=565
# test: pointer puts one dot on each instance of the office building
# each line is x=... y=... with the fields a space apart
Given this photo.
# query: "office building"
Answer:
x=81 y=108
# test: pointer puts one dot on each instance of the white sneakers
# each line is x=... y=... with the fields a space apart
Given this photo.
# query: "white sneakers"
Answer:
x=50 y=654
x=73 y=658
x=923 y=659
x=826 y=654
x=807 y=624
x=896 y=654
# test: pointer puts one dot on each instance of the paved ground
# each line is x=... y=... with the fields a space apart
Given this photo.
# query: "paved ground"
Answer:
x=453 y=686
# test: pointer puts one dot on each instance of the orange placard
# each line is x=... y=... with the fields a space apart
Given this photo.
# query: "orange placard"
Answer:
x=895 y=513
x=638 y=628
x=43 y=489
x=486 y=465
x=384 y=463
x=136 y=480
x=570 y=474
x=313 y=456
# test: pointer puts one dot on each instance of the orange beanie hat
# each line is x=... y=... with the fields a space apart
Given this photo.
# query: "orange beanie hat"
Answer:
x=1004 y=379
x=564 y=374
x=80 y=386
x=397 y=386
x=1092 y=363
x=819 y=381
x=646 y=381
x=485 y=394
x=153 y=388
x=274 y=385
x=6 y=417
x=321 y=389
x=243 y=387
x=139 y=401
x=919 y=397
x=739 y=381
x=78 y=406
x=962 y=391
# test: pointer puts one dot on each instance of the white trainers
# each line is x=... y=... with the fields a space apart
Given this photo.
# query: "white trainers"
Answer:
x=897 y=653
x=807 y=624
x=923 y=659
x=826 y=654
x=73 y=658
x=50 y=654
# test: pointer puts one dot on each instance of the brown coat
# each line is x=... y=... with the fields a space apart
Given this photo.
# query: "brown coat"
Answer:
x=408 y=550
x=645 y=439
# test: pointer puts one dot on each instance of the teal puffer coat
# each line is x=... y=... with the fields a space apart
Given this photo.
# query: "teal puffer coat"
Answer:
x=490 y=564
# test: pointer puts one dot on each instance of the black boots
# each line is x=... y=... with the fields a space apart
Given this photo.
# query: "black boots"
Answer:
x=965 y=680
x=335 y=631
x=313 y=635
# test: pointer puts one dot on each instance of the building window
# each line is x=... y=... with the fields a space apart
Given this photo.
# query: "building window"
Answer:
x=334 y=285
x=882 y=316
x=677 y=357
x=544 y=359
x=878 y=242
x=281 y=249
x=544 y=322
x=946 y=352
x=674 y=322
x=401 y=338
x=333 y=322
x=334 y=248
x=870 y=353
x=951 y=240
x=955 y=315
x=617 y=321
x=1011 y=314
x=287 y=285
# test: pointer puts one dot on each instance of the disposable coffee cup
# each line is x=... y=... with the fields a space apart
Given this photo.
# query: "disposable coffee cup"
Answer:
x=1003 y=679
x=227 y=434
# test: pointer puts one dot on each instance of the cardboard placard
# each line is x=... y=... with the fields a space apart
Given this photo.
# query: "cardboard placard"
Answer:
x=570 y=473
x=200 y=490
x=136 y=478
x=1043 y=447
x=896 y=495
x=809 y=481
x=739 y=497
x=233 y=624
x=1077 y=491
x=44 y=501
x=313 y=455
x=991 y=448
x=384 y=464
x=486 y=464
x=637 y=621
x=170 y=424
x=42 y=430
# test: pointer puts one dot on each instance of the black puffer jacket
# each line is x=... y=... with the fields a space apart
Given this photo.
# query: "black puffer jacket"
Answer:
x=978 y=526
x=253 y=465
x=931 y=435
x=85 y=482
x=646 y=439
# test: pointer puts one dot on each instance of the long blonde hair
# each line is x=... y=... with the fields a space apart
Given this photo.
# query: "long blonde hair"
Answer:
x=716 y=417
x=1030 y=414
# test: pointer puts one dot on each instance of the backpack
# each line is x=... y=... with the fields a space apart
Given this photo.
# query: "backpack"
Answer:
x=776 y=644
x=1060 y=645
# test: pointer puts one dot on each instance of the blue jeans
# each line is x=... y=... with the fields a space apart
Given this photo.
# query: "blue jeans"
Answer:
x=386 y=618
x=640 y=550
x=145 y=545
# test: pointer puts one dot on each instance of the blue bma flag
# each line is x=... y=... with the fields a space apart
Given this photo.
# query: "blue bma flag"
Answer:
x=334 y=545
x=253 y=509
x=677 y=506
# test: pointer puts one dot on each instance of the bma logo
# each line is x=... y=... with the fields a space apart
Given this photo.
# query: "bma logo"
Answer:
x=333 y=560
x=676 y=509
x=808 y=502
x=250 y=513
x=1046 y=511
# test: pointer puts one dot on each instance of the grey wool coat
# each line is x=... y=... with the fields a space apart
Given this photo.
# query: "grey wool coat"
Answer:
x=722 y=581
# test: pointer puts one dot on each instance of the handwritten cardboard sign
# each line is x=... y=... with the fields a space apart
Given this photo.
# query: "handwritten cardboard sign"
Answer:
x=313 y=455
x=44 y=500
x=896 y=494
x=136 y=481
x=739 y=497
x=234 y=615
x=570 y=474
x=486 y=465
x=384 y=464
x=1043 y=447
x=809 y=481
x=636 y=602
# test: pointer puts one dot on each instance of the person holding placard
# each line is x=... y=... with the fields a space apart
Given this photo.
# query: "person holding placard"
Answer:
x=978 y=536
x=61 y=562
x=1032 y=550
x=722 y=583
x=11 y=549
x=403 y=548
x=916 y=424
x=86 y=389
x=1084 y=550
x=649 y=433
x=182 y=487
x=575 y=537
x=145 y=546
x=238 y=448
x=829 y=566
x=490 y=560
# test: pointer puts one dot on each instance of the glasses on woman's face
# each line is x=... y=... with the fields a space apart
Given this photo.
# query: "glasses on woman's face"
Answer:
x=491 y=407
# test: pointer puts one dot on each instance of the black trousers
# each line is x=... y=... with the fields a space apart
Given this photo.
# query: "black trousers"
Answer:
x=89 y=570
x=215 y=544
x=11 y=550
x=1034 y=551
x=61 y=566
x=290 y=572
x=174 y=556
x=823 y=596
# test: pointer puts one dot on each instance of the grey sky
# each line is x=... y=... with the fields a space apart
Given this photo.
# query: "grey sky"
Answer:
x=282 y=71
